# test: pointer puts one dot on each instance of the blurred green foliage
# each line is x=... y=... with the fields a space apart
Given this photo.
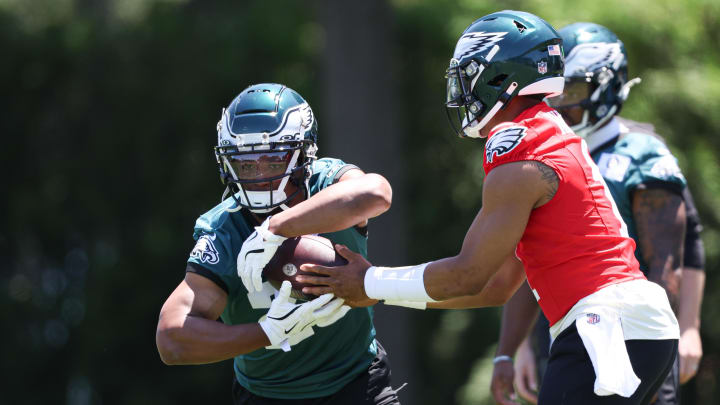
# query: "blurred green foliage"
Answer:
x=108 y=116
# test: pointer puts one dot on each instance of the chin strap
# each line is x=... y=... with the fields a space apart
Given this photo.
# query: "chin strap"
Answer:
x=625 y=90
x=584 y=130
x=475 y=129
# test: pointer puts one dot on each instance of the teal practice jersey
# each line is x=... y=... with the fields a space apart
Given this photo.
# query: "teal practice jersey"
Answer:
x=636 y=159
x=319 y=365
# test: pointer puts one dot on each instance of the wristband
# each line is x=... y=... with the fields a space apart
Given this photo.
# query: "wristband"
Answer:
x=397 y=283
x=502 y=358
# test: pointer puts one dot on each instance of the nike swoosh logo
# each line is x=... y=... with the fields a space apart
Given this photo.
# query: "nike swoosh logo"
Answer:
x=286 y=315
x=290 y=330
x=253 y=251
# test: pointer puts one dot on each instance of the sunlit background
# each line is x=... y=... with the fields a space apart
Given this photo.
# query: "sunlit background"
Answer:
x=107 y=117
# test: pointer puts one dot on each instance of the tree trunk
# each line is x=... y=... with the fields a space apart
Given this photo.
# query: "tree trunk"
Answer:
x=359 y=124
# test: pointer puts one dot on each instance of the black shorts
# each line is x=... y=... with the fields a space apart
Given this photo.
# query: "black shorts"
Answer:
x=669 y=392
x=570 y=377
x=369 y=388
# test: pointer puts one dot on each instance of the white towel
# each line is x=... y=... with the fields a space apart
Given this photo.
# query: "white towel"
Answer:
x=602 y=334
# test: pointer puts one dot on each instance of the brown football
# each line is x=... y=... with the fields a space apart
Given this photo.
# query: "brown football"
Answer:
x=285 y=264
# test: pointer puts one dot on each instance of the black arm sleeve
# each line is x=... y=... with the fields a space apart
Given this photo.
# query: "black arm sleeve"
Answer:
x=694 y=256
x=342 y=171
x=694 y=250
x=197 y=269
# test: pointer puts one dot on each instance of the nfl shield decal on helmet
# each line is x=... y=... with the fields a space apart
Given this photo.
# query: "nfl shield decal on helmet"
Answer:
x=205 y=251
x=542 y=67
x=503 y=142
x=474 y=42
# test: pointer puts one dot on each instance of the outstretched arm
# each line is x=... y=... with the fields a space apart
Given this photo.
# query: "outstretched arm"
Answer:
x=510 y=193
x=355 y=198
x=492 y=237
x=497 y=291
x=188 y=331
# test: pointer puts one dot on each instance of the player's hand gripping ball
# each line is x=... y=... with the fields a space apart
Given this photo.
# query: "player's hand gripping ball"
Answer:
x=255 y=253
x=285 y=264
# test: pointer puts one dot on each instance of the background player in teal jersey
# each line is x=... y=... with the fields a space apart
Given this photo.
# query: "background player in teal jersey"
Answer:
x=277 y=188
x=650 y=193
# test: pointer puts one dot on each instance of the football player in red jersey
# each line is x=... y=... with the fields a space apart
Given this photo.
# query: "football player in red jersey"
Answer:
x=546 y=216
x=651 y=194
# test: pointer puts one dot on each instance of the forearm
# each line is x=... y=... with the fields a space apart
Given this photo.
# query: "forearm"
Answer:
x=453 y=277
x=340 y=206
x=498 y=290
x=692 y=285
x=518 y=316
x=195 y=340
x=489 y=242
x=472 y=301
x=509 y=195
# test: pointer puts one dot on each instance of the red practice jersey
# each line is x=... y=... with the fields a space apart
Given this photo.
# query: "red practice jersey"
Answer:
x=577 y=243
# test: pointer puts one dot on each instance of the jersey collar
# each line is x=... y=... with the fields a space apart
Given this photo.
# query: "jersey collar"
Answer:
x=526 y=114
x=603 y=135
x=532 y=111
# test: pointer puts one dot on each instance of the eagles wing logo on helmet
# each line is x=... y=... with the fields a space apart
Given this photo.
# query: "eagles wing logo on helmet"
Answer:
x=307 y=117
x=475 y=42
x=503 y=142
x=592 y=56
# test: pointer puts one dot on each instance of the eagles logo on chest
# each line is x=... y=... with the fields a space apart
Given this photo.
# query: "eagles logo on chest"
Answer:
x=503 y=141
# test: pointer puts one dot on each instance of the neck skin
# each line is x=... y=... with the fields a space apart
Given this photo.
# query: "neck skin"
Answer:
x=516 y=107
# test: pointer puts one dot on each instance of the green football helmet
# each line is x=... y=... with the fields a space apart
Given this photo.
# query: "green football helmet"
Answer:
x=267 y=137
x=596 y=75
x=498 y=57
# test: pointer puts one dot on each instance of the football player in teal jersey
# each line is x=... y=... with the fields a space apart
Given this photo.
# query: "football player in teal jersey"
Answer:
x=314 y=352
x=650 y=193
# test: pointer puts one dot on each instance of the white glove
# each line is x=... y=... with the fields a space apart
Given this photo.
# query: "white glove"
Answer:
x=337 y=311
x=285 y=319
x=322 y=322
x=292 y=339
x=255 y=253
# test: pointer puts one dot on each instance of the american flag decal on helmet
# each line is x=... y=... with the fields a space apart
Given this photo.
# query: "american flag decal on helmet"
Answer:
x=554 y=50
